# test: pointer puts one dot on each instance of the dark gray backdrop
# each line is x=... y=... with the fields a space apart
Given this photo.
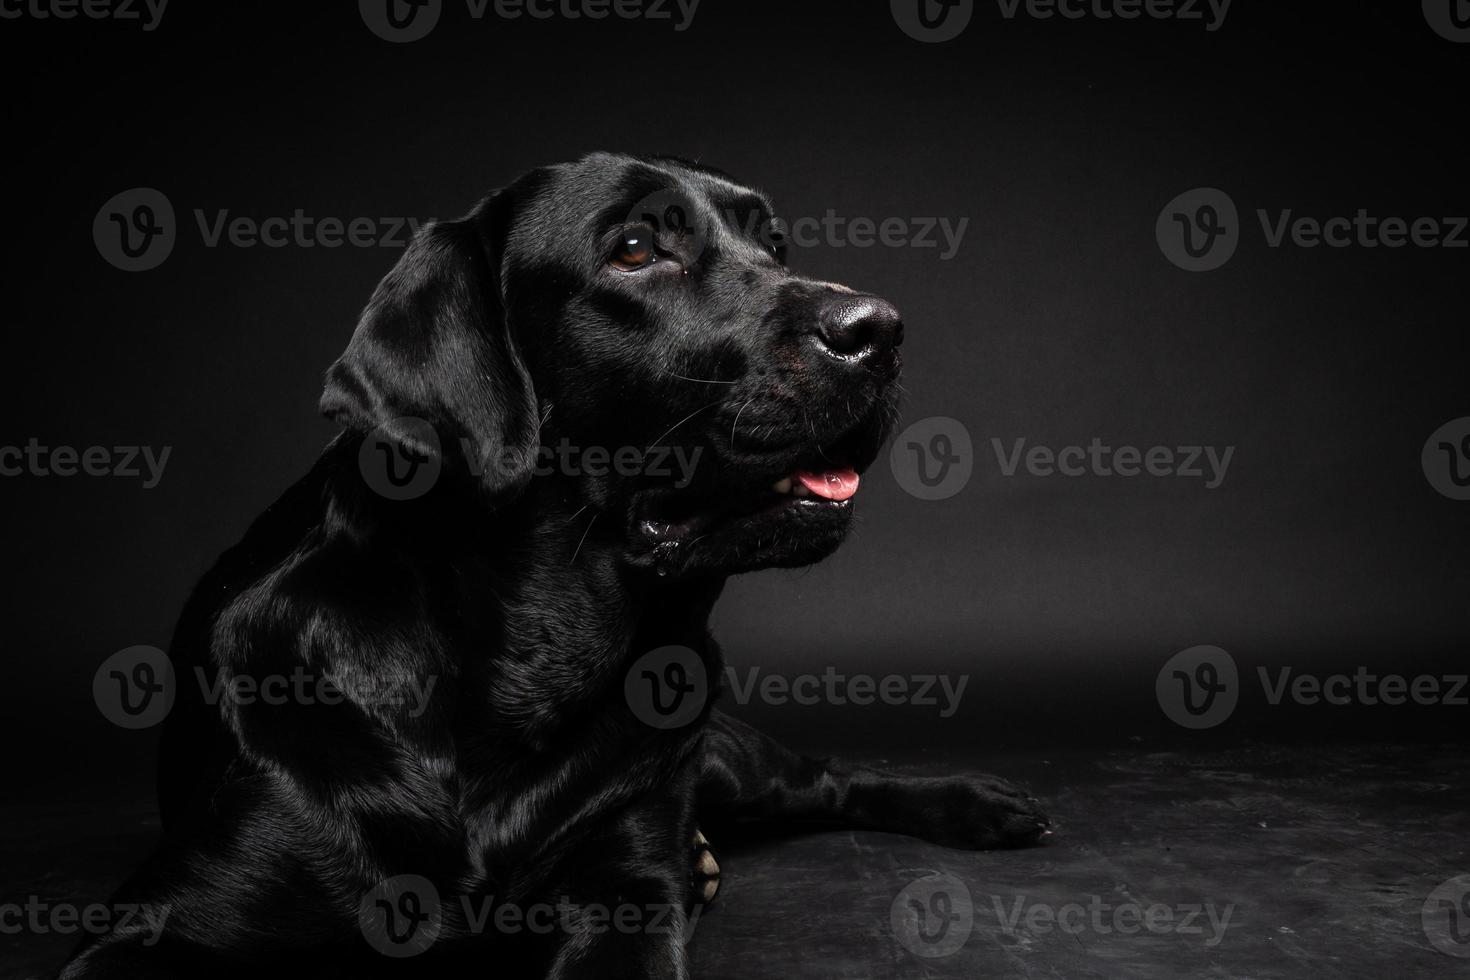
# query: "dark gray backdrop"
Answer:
x=1059 y=320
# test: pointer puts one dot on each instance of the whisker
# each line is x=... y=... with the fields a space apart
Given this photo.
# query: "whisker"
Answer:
x=813 y=430
x=736 y=423
x=703 y=381
x=679 y=423
x=584 y=538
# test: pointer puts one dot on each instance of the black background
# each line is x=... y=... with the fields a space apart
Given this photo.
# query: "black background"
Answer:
x=1059 y=321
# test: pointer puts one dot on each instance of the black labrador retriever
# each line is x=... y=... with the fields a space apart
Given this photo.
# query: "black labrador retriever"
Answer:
x=568 y=417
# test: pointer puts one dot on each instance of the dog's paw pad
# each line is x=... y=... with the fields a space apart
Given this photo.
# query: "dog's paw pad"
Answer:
x=706 y=870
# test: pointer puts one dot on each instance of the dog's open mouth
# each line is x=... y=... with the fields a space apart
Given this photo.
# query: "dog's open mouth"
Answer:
x=778 y=503
x=670 y=519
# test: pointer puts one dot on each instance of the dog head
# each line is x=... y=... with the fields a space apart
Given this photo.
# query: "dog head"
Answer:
x=622 y=335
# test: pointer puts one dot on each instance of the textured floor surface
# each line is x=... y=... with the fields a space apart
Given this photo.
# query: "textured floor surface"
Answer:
x=1253 y=863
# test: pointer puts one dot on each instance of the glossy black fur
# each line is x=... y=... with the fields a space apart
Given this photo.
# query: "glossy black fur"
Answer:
x=527 y=596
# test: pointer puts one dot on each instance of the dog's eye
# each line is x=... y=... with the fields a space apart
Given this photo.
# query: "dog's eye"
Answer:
x=635 y=249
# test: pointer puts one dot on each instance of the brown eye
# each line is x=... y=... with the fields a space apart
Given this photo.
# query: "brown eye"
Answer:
x=635 y=249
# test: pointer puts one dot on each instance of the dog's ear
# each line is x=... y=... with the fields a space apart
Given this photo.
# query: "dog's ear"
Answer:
x=432 y=367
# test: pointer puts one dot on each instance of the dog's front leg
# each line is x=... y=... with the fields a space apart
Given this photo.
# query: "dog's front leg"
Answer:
x=748 y=777
x=622 y=896
x=620 y=955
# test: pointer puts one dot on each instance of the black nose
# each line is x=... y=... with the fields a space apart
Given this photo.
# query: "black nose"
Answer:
x=859 y=327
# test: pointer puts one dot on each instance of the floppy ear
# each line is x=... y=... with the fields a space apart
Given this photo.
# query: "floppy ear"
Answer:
x=433 y=344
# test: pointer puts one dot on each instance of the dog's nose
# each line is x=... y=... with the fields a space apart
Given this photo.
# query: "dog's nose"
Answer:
x=859 y=327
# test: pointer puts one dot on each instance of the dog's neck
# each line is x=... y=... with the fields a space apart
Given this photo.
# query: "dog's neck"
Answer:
x=576 y=615
x=553 y=547
x=543 y=581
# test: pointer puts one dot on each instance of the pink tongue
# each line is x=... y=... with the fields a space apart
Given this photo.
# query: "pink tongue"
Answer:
x=831 y=484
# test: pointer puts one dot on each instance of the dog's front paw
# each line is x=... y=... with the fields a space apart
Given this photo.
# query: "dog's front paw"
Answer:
x=978 y=813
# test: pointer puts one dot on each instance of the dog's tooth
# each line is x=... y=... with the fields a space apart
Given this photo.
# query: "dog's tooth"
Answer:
x=800 y=491
x=782 y=486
